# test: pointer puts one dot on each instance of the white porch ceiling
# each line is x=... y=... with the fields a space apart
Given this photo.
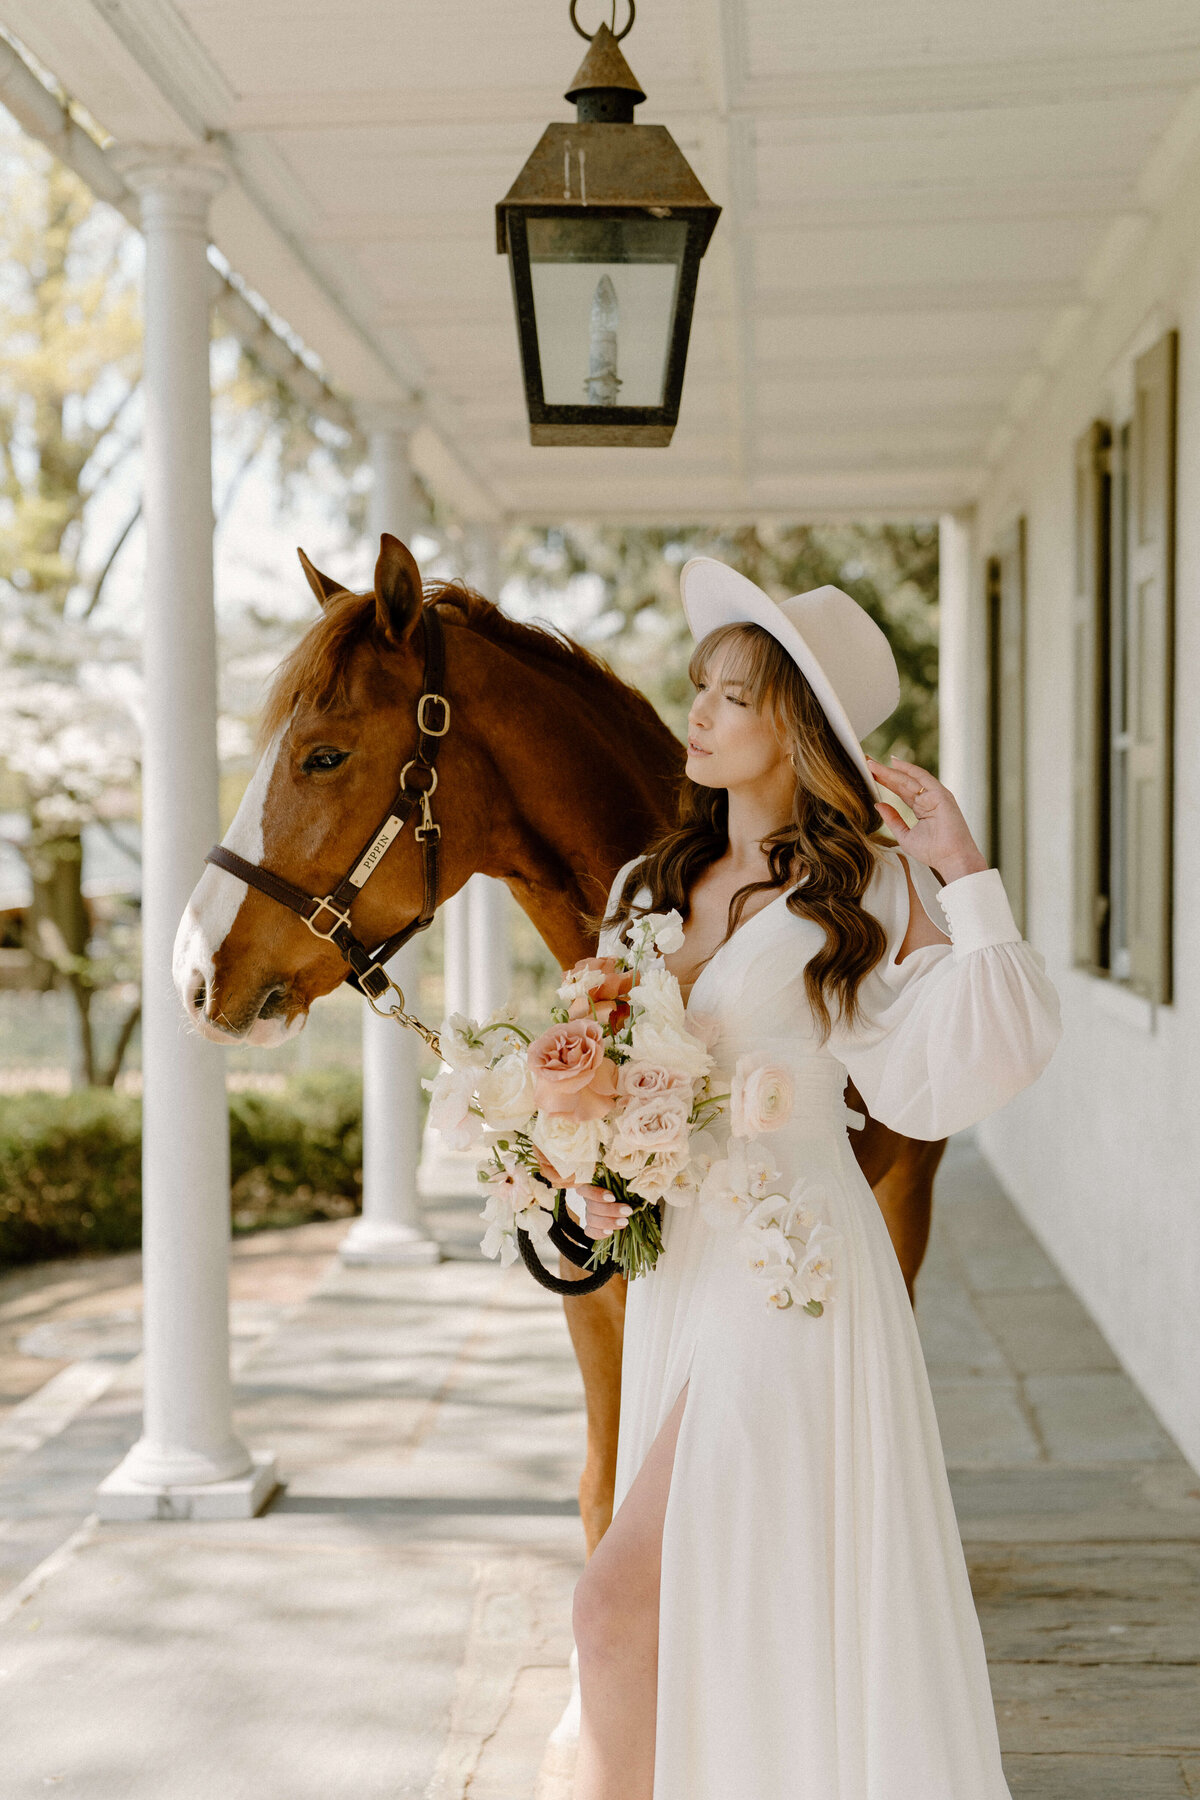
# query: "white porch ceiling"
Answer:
x=922 y=202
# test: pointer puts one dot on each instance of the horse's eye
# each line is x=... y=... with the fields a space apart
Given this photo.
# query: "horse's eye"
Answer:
x=319 y=762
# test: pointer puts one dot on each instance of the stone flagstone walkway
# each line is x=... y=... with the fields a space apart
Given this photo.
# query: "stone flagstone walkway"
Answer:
x=397 y=1624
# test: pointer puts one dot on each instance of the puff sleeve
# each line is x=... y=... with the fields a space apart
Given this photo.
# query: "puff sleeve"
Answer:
x=954 y=1031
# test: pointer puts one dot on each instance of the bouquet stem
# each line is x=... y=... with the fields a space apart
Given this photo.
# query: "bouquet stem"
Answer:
x=637 y=1246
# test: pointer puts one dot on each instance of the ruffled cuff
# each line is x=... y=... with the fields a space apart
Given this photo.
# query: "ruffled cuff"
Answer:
x=978 y=915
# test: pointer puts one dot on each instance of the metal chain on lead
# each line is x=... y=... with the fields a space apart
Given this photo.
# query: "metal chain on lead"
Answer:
x=402 y=1016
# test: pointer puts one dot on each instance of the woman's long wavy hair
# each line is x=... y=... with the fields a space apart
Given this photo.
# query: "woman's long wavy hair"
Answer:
x=825 y=849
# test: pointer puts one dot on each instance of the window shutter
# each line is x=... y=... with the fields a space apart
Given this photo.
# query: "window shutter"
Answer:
x=1091 y=689
x=1006 y=642
x=1150 y=654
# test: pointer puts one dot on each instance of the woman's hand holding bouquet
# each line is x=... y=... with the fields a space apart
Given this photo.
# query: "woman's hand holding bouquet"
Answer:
x=611 y=1098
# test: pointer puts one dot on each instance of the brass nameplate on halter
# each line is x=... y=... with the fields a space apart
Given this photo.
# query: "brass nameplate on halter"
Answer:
x=390 y=830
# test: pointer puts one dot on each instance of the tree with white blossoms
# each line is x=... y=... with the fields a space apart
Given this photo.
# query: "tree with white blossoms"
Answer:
x=70 y=712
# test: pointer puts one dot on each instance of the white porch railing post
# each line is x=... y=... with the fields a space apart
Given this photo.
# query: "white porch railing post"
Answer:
x=188 y=1462
x=390 y=1229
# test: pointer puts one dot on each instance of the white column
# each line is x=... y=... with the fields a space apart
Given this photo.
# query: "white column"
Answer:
x=489 y=956
x=960 y=723
x=188 y=1462
x=489 y=959
x=390 y=1229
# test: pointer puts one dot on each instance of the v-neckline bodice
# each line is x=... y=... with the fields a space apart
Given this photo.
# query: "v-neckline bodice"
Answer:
x=725 y=944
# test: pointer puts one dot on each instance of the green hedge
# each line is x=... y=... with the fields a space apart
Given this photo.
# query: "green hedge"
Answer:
x=70 y=1165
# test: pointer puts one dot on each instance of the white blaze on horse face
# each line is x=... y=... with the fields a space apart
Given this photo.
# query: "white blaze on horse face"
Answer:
x=209 y=915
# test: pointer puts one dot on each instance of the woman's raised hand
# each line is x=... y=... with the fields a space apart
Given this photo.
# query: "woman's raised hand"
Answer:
x=603 y=1214
x=940 y=838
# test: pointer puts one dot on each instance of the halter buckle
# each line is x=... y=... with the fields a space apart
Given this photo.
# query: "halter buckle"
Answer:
x=340 y=918
x=422 y=725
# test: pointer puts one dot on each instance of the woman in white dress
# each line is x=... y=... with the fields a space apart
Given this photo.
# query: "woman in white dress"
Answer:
x=780 y=1609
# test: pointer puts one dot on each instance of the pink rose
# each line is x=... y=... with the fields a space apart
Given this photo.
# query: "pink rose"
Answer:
x=640 y=1080
x=606 y=1001
x=571 y=1073
x=761 y=1097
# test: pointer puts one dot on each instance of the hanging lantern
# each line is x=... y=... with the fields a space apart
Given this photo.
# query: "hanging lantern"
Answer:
x=604 y=229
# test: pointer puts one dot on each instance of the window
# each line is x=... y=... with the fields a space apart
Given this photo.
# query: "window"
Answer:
x=1123 y=639
x=1006 y=713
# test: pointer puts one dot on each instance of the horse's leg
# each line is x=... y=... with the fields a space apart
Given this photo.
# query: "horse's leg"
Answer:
x=905 y=1196
x=616 y=1628
x=596 y=1323
x=900 y=1173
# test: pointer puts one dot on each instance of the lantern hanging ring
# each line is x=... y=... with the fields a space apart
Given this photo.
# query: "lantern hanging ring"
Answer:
x=617 y=35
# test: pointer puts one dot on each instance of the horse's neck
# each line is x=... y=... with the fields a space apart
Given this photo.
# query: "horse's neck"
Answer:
x=583 y=783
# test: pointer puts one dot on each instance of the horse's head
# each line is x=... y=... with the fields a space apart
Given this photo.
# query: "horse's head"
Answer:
x=340 y=724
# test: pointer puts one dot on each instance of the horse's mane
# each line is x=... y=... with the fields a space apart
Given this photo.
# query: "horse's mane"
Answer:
x=317 y=670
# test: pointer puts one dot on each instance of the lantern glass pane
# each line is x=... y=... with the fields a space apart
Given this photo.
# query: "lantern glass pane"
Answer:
x=604 y=295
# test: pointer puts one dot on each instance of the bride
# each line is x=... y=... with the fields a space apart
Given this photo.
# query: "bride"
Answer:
x=780 y=1609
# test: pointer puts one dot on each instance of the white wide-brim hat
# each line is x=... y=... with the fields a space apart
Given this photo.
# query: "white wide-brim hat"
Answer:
x=838 y=647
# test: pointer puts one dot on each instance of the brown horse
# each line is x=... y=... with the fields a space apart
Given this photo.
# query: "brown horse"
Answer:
x=553 y=774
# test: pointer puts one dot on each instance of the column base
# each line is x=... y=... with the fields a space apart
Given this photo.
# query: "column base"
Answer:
x=378 y=1241
x=122 y=1496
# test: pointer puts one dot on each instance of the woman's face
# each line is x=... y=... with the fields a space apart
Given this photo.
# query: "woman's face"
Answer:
x=730 y=745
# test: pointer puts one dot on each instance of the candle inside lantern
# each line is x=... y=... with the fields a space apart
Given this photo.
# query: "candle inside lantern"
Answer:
x=602 y=379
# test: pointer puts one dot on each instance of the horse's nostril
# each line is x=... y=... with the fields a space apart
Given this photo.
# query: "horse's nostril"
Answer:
x=199 y=996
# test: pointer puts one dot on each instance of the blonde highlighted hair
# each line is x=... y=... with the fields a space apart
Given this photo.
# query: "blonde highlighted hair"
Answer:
x=824 y=851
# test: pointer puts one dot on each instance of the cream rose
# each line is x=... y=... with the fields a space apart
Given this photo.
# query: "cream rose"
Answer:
x=506 y=1093
x=571 y=1145
x=760 y=1098
x=641 y=1080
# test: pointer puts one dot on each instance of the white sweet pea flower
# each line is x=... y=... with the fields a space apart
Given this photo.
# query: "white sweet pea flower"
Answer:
x=667 y=931
x=463 y=1045
x=451 y=1093
x=579 y=984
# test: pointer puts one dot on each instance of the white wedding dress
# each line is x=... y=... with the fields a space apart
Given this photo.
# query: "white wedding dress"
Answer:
x=818 y=1639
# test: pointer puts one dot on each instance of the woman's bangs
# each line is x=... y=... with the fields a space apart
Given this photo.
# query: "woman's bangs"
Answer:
x=748 y=662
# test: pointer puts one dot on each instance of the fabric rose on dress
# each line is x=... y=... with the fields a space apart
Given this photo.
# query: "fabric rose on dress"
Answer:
x=571 y=1073
x=571 y=1145
x=761 y=1096
x=451 y=1093
x=596 y=988
x=506 y=1093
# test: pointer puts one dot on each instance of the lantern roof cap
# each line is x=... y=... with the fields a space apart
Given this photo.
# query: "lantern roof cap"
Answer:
x=603 y=68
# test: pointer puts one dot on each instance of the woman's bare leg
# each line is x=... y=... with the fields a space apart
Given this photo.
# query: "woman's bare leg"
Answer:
x=616 y=1630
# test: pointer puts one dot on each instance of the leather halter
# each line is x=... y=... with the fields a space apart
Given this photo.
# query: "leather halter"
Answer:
x=329 y=917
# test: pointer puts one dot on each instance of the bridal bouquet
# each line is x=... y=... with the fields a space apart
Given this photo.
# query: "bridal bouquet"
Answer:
x=613 y=1093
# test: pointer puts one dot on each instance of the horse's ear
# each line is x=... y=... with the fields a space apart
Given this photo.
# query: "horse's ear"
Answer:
x=323 y=586
x=398 y=594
